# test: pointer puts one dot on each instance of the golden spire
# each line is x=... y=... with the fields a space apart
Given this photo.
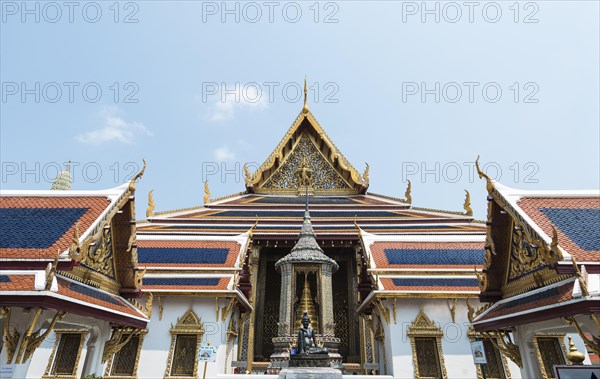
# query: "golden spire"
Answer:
x=206 y=192
x=305 y=107
x=467 y=204
x=307 y=304
x=150 y=210
x=136 y=177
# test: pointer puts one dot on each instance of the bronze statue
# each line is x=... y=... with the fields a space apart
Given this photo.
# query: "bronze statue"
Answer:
x=307 y=343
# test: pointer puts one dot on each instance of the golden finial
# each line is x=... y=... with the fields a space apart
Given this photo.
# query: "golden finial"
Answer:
x=467 y=204
x=366 y=173
x=305 y=107
x=489 y=185
x=470 y=312
x=150 y=210
x=408 y=197
x=136 y=177
x=74 y=248
x=574 y=356
x=206 y=192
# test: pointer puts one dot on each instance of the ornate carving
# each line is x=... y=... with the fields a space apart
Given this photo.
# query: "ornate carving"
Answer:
x=188 y=324
x=489 y=184
x=504 y=371
x=383 y=309
x=51 y=271
x=120 y=337
x=128 y=335
x=324 y=176
x=139 y=277
x=481 y=279
x=74 y=251
x=581 y=277
x=365 y=175
x=33 y=341
x=525 y=255
x=422 y=327
x=553 y=254
x=452 y=309
x=150 y=209
x=490 y=249
x=407 y=195
x=10 y=339
x=226 y=309
x=136 y=177
x=206 y=192
x=472 y=313
x=506 y=347
x=160 y=308
x=594 y=342
x=467 y=204
x=146 y=308
x=99 y=256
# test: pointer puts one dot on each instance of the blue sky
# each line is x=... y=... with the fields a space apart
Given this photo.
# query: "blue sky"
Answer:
x=372 y=63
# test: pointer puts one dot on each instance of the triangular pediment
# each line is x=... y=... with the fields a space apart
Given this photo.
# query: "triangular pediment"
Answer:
x=306 y=144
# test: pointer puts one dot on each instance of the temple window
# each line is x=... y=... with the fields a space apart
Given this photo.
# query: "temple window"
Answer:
x=124 y=363
x=185 y=342
x=66 y=353
x=550 y=350
x=426 y=343
x=497 y=366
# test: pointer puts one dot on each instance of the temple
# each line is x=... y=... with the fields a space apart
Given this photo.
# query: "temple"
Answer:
x=390 y=289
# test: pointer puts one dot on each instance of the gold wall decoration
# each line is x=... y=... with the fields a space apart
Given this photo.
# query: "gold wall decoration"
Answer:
x=99 y=256
x=150 y=209
x=54 y=355
x=383 y=309
x=34 y=340
x=593 y=342
x=139 y=277
x=136 y=177
x=467 y=204
x=145 y=308
x=580 y=277
x=51 y=271
x=472 y=313
x=505 y=371
x=74 y=251
x=394 y=309
x=423 y=328
x=307 y=158
x=206 y=192
x=452 y=309
x=503 y=342
x=160 y=308
x=550 y=350
x=226 y=309
x=188 y=324
x=10 y=339
x=120 y=338
x=407 y=195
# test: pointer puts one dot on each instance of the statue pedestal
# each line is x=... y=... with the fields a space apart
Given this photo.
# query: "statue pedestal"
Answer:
x=309 y=366
x=310 y=373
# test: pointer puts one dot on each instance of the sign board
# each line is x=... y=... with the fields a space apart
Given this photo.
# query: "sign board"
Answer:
x=7 y=371
x=371 y=366
x=207 y=354
x=577 y=372
x=479 y=353
x=240 y=364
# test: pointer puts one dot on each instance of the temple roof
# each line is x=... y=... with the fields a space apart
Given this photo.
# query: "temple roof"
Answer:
x=306 y=142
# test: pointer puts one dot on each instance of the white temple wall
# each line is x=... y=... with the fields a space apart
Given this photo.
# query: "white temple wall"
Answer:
x=455 y=342
x=35 y=367
x=156 y=344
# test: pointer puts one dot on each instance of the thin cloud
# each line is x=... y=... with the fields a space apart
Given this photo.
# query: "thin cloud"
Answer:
x=115 y=128
x=224 y=154
x=238 y=97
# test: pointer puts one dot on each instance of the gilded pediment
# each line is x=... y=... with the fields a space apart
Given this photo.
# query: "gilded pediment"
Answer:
x=306 y=147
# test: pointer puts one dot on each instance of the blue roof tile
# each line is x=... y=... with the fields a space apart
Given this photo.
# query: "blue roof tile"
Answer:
x=582 y=226
x=435 y=257
x=33 y=228
x=182 y=255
